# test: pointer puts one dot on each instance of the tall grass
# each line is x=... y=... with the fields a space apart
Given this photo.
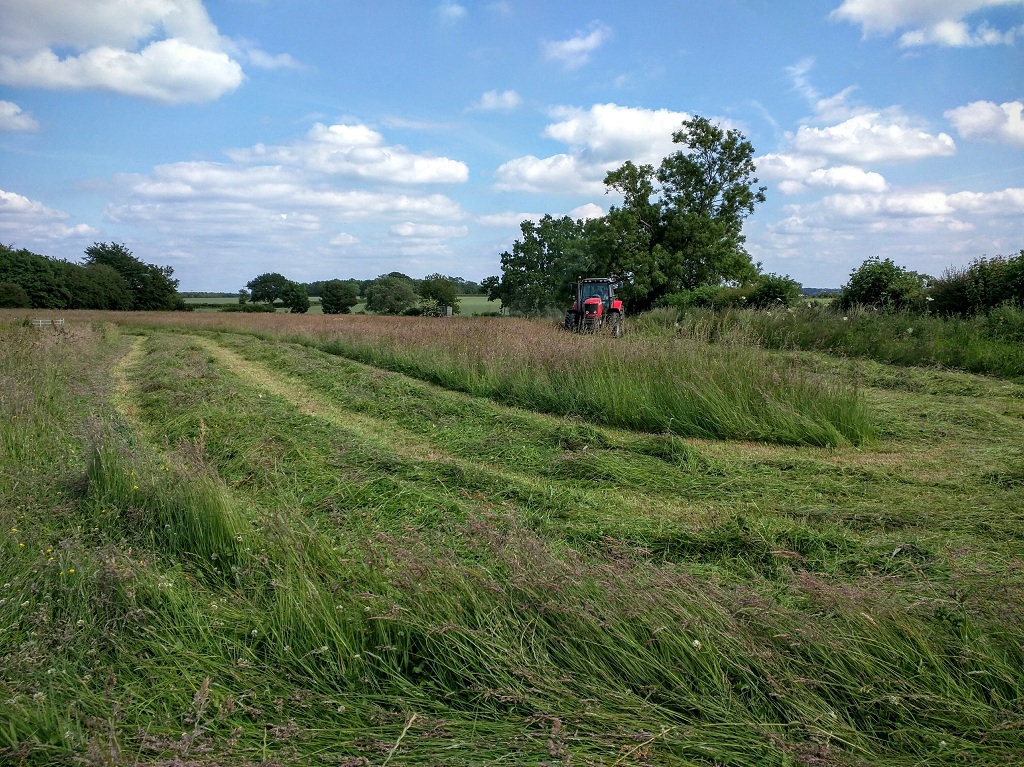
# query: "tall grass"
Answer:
x=990 y=344
x=678 y=386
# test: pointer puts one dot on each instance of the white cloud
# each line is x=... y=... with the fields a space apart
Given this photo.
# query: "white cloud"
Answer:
x=86 y=24
x=558 y=174
x=990 y=121
x=165 y=50
x=929 y=22
x=922 y=229
x=508 y=219
x=599 y=140
x=575 y=51
x=191 y=191
x=874 y=137
x=799 y=173
x=343 y=239
x=13 y=119
x=586 y=212
x=613 y=133
x=168 y=71
x=495 y=101
x=356 y=151
x=450 y=12
x=899 y=211
x=26 y=222
x=260 y=59
x=412 y=230
x=332 y=193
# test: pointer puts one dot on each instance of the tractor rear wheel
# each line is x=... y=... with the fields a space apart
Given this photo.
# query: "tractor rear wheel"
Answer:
x=618 y=324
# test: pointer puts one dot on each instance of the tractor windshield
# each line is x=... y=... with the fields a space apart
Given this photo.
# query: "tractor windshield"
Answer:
x=596 y=290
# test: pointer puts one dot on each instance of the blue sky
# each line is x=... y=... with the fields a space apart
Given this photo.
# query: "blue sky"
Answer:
x=335 y=138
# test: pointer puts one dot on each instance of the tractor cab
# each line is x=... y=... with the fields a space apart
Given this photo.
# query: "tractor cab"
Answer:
x=600 y=290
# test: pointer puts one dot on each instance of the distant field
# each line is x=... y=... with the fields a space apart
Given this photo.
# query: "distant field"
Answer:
x=469 y=305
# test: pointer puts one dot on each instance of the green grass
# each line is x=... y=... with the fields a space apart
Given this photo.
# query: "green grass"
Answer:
x=283 y=556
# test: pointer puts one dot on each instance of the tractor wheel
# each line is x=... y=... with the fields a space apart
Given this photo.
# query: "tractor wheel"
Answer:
x=570 y=321
x=618 y=323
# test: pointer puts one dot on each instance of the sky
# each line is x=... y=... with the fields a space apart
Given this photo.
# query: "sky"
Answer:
x=346 y=139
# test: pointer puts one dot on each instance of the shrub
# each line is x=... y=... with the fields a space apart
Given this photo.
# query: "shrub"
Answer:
x=884 y=285
x=707 y=297
x=773 y=290
x=983 y=285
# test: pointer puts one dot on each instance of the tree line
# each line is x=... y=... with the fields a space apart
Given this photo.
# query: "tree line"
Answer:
x=391 y=293
x=110 y=277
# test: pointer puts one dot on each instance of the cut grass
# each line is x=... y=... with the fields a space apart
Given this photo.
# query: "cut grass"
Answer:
x=411 y=575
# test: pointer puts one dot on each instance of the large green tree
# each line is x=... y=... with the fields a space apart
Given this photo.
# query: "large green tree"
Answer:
x=152 y=287
x=294 y=296
x=267 y=288
x=440 y=289
x=680 y=226
x=338 y=296
x=390 y=294
x=688 y=230
x=537 y=273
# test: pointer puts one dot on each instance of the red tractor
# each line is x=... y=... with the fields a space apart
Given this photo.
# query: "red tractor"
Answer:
x=596 y=307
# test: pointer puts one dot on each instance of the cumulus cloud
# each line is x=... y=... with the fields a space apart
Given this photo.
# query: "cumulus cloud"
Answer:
x=576 y=50
x=168 y=71
x=29 y=222
x=337 y=190
x=877 y=136
x=185 y=192
x=929 y=23
x=899 y=211
x=164 y=50
x=609 y=132
x=990 y=121
x=558 y=174
x=356 y=151
x=800 y=173
x=494 y=101
x=586 y=212
x=925 y=229
x=13 y=119
x=599 y=139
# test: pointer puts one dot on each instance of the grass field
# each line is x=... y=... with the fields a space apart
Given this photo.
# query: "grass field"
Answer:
x=281 y=540
x=468 y=305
